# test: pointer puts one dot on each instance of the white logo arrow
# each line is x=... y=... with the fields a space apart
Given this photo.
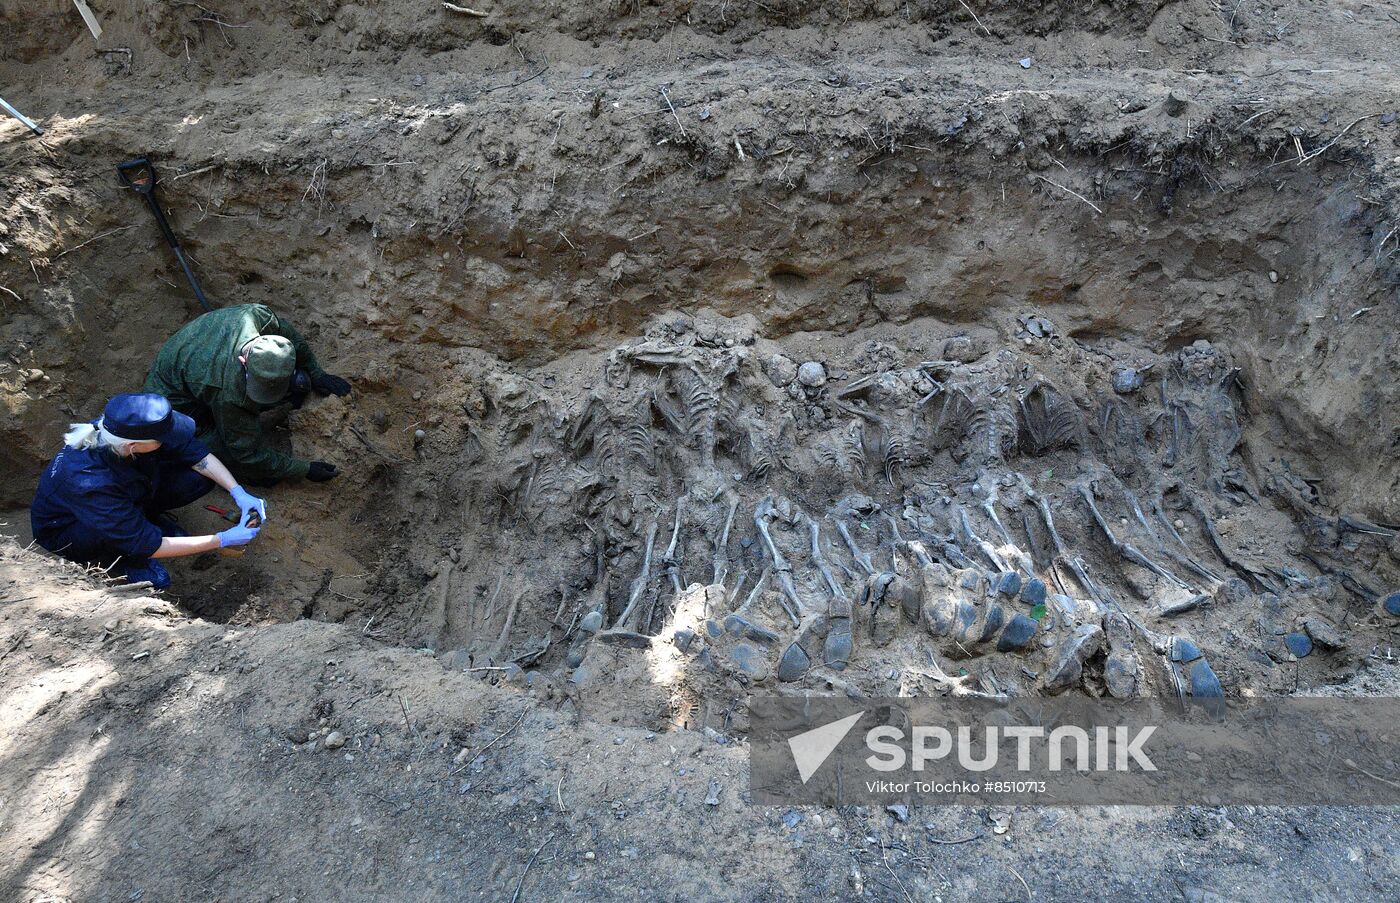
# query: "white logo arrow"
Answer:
x=811 y=748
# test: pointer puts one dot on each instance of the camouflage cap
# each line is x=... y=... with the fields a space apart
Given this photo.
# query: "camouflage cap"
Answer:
x=270 y=362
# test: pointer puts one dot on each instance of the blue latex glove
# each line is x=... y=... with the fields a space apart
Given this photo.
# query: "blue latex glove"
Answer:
x=246 y=503
x=237 y=536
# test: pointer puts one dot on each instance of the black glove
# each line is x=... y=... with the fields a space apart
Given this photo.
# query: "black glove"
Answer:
x=327 y=384
x=321 y=471
x=301 y=387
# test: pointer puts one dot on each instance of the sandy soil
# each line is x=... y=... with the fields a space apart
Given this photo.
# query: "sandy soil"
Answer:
x=155 y=757
x=571 y=258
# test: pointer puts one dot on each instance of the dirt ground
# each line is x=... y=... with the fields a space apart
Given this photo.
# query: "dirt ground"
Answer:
x=659 y=314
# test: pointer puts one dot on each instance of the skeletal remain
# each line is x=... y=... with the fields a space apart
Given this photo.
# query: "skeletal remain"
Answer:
x=641 y=584
x=964 y=687
x=1252 y=575
x=894 y=454
x=722 y=546
x=1048 y=421
x=819 y=559
x=1127 y=549
x=756 y=591
x=672 y=568
x=988 y=505
x=1185 y=560
x=862 y=558
x=762 y=518
x=499 y=646
x=1181 y=606
x=972 y=538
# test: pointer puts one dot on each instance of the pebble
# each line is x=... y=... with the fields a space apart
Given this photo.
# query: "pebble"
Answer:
x=899 y=811
x=712 y=797
x=1391 y=604
x=782 y=370
x=590 y=856
x=1179 y=523
x=419 y=435
x=335 y=740
x=1273 y=276
x=1300 y=644
x=1018 y=633
x=1027 y=62
x=812 y=375
x=1127 y=380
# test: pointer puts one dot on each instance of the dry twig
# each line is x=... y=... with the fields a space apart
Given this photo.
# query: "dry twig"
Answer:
x=1071 y=191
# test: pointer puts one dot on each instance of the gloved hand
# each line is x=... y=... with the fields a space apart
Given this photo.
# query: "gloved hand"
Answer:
x=327 y=384
x=246 y=503
x=321 y=471
x=237 y=536
x=301 y=387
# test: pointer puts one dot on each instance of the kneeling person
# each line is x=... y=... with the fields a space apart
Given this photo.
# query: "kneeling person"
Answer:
x=103 y=498
x=228 y=366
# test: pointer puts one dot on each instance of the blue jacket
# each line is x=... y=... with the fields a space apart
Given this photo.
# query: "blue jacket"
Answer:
x=105 y=496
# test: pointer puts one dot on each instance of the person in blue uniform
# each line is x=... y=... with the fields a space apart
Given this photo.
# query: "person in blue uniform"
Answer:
x=104 y=498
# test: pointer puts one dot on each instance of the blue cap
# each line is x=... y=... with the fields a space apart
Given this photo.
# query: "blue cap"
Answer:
x=139 y=417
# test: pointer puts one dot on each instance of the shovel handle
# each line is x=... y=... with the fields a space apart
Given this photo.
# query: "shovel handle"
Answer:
x=138 y=175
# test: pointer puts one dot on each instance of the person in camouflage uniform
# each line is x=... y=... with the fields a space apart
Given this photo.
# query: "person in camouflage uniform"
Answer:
x=225 y=368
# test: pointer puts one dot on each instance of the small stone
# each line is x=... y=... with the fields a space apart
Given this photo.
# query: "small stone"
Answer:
x=1391 y=604
x=1204 y=683
x=1173 y=106
x=782 y=370
x=1300 y=644
x=792 y=818
x=738 y=625
x=1008 y=583
x=962 y=349
x=1033 y=592
x=1179 y=524
x=419 y=435
x=1018 y=634
x=1273 y=276
x=812 y=375
x=592 y=622
x=749 y=660
x=590 y=856
x=1183 y=650
x=334 y=740
x=1127 y=380
x=712 y=797
x=899 y=811
x=794 y=663
x=1086 y=640
x=1027 y=62
x=1324 y=634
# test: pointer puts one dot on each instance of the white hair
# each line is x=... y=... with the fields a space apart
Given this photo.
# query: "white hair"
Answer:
x=85 y=435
